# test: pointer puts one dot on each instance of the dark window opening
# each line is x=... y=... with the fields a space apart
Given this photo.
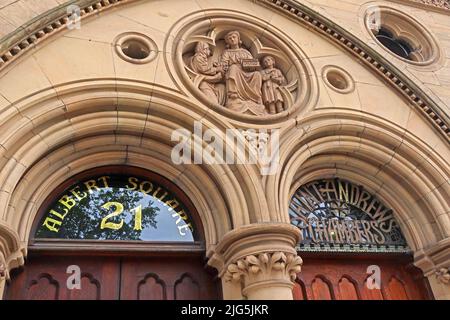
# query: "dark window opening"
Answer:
x=399 y=47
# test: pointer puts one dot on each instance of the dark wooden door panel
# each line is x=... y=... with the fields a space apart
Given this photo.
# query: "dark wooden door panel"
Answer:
x=45 y=278
x=111 y=278
x=345 y=278
x=169 y=278
x=348 y=289
x=151 y=287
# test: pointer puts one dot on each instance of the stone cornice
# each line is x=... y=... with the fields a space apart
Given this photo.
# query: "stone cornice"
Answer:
x=43 y=26
x=48 y=23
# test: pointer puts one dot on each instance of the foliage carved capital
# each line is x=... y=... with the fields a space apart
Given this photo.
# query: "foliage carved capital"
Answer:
x=264 y=265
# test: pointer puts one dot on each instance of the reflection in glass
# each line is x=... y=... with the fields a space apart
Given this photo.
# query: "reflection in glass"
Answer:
x=338 y=212
x=116 y=209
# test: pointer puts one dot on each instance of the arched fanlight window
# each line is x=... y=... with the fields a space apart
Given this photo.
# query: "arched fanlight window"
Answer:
x=337 y=215
x=117 y=206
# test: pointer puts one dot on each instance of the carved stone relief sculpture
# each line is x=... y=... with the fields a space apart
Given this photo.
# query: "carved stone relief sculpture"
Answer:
x=241 y=73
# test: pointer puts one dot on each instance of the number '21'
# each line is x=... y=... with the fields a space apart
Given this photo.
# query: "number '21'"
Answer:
x=118 y=210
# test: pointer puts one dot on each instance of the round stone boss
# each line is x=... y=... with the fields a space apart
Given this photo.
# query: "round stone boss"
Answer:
x=135 y=47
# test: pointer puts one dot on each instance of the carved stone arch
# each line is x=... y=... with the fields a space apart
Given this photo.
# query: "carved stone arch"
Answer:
x=361 y=155
x=235 y=193
x=226 y=197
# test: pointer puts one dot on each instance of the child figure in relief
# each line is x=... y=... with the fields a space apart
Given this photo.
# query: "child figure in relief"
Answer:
x=272 y=79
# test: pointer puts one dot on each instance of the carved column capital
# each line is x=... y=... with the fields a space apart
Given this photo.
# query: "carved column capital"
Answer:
x=443 y=275
x=12 y=254
x=262 y=258
x=434 y=262
x=264 y=265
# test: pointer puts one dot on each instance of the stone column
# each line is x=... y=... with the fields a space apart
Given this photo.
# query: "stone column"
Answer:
x=440 y=283
x=258 y=262
x=2 y=279
x=435 y=264
x=12 y=255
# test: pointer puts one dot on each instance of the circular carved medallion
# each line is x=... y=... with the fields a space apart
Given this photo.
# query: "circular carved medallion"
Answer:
x=242 y=68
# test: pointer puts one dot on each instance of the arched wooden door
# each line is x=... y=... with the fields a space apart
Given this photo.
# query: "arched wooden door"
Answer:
x=116 y=233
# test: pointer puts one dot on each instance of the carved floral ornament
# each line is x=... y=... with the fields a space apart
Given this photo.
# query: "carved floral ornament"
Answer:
x=238 y=66
x=2 y=271
x=265 y=264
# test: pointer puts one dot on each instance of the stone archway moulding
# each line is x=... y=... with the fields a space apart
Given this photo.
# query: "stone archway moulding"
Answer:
x=15 y=44
x=34 y=166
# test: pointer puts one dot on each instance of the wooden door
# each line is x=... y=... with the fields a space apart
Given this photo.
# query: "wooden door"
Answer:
x=325 y=277
x=171 y=278
x=45 y=277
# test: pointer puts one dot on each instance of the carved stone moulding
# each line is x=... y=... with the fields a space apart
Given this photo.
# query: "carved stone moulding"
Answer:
x=241 y=67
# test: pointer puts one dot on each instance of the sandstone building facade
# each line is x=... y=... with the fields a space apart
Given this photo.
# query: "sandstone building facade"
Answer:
x=105 y=106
